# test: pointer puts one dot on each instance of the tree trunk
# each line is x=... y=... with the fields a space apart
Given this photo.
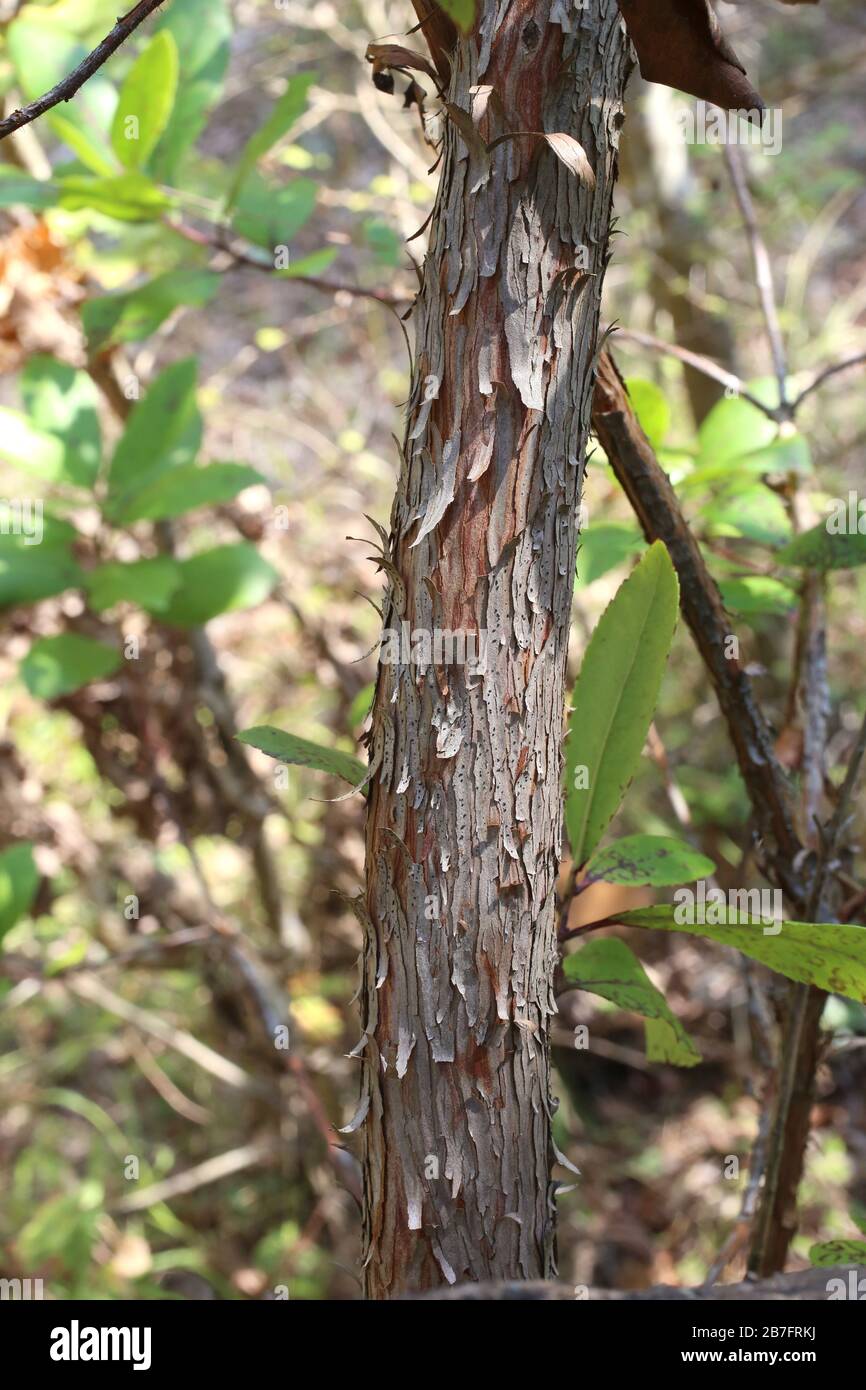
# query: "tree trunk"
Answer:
x=464 y=819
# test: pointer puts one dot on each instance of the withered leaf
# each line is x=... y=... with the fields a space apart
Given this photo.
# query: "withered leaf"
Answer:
x=394 y=55
x=680 y=44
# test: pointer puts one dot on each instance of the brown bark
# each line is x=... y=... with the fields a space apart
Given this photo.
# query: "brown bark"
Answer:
x=464 y=819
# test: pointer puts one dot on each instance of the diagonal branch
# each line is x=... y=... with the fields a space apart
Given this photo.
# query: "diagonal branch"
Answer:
x=655 y=504
x=67 y=88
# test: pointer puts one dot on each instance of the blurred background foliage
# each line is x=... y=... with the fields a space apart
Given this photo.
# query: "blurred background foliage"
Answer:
x=203 y=367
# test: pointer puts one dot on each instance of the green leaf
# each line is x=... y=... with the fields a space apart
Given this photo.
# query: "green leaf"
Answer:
x=838 y=1252
x=603 y=546
x=615 y=696
x=461 y=11
x=608 y=968
x=30 y=449
x=19 y=880
x=64 y=402
x=135 y=314
x=219 y=581
x=654 y=860
x=271 y=216
x=43 y=51
x=733 y=428
x=651 y=407
x=89 y=148
x=128 y=197
x=284 y=113
x=831 y=956
x=183 y=489
x=163 y=431
x=149 y=583
x=202 y=33
x=289 y=749
x=756 y=595
x=18 y=189
x=751 y=511
x=823 y=550
x=314 y=264
x=146 y=101
x=28 y=575
x=59 y=665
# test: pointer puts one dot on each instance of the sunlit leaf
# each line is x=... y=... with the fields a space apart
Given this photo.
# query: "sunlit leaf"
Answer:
x=59 y=665
x=648 y=859
x=19 y=879
x=608 y=968
x=615 y=696
x=149 y=582
x=131 y=315
x=220 y=580
x=146 y=101
x=831 y=956
x=287 y=748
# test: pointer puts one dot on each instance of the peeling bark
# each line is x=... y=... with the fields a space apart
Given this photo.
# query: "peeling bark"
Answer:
x=464 y=818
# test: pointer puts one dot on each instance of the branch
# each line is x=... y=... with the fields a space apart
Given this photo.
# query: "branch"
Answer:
x=705 y=365
x=763 y=271
x=655 y=504
x=67 y=88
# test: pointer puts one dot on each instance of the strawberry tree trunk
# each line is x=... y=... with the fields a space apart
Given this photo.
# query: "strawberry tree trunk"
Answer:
x=464 y=819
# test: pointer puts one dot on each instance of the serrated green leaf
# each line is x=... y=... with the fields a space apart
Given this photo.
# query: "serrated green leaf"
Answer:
x=133 y=315
x=163 y=431
x=282 y=117
x=146 y=101
x=823 y=550
x=615 y=697
x=220 y=580
x=182 y=490
x=653 y=860
x=19 y=880
x=59 y=665
x=64 y=402
x=149 y=583
x=287 y=748
x=831 y=956
x=609 y=968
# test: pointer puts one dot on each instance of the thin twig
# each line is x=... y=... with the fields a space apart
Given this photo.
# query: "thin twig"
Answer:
x=67 y=88
x=825 y=375
x=763 y=271
x=702 y=364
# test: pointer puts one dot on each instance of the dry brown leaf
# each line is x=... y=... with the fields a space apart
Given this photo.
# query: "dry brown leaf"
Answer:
x=571 y=153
